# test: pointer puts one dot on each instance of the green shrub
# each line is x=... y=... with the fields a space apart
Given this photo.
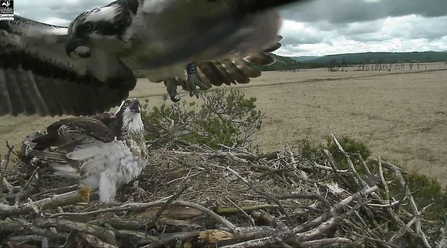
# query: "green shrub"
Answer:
x=349 y=145
x=226 y=117
x=427 y=191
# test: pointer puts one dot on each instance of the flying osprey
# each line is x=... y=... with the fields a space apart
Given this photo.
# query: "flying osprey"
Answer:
x=87 y=67
x=99 y=155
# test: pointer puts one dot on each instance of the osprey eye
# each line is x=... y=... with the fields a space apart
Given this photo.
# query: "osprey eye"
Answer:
x=126 y=104
x=87 y=27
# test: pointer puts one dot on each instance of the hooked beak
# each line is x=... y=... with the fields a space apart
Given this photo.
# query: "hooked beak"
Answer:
x=74 y=43
x=135 y=107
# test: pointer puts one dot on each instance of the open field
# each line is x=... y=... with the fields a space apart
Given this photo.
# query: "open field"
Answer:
x=399 y=114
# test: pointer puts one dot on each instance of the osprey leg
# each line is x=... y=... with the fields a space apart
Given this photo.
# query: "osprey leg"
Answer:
x=193 y=80
x=171 y=87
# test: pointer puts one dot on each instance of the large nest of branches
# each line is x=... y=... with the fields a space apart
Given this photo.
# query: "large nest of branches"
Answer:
x=204 y=188
x=193 y=196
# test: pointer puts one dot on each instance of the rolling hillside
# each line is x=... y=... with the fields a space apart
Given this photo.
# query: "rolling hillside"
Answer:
x=309 y=62
x=380 y=57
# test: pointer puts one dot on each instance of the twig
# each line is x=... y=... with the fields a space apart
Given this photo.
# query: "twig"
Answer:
x=327 y=242
x=249 y=184
x=171 y=238
x=68 y=225
x=334 y=210
x=322 y=167
x=81 y=195
x=413 y=205
x=375 y=240
x=382 y=178
x=249 y=218
x=58 y=190
x=3 y=166
x=141 y=206
x=276 y=223
x=228 y=210
x=360 y=182
x=70 y=240
x=288 y=151
x=320 y=198
x=404 y=229
x=23 y=193
x=168 y=202
x=443 y=241
x=261 y=242
x=96 y=242
x=39 y=231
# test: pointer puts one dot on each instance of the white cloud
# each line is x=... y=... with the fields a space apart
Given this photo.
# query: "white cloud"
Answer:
x=327 y=30
x=392 y=34
x=56 y=21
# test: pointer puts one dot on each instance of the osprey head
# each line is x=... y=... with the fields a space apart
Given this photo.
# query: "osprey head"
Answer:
x=131 y=105
x=103 y=27
x=130 y=114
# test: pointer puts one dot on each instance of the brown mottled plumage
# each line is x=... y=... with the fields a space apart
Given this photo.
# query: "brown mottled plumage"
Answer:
x=99 y=155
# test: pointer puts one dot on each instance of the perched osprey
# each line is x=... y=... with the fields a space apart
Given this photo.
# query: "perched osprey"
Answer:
x=87 y=67
x=99 y=155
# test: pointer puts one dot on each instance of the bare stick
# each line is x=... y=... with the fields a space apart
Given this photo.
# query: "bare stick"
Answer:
x=58 y=190
x=81 y=195
x=404 y=229
x=250 y=219
x=96 y=242
x=281 y=208
x=327 y=242
x=276 y=223
x=288 y=151
x=23 y=192
x=140 y=206
x=322 y=167
x=168 y=202
x=68 y=225
x=382 y=178
x=39 y=231
x=261 y=242
x=3 y=166
x=443 y=242
x=172 y=238
x=334 y=210
x=256 y=232
x=320 y=198
x=359 y=180
x=413 y=205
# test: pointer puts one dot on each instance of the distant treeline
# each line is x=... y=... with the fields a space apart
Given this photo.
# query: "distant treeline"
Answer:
x=288 y=63
x=348 y=59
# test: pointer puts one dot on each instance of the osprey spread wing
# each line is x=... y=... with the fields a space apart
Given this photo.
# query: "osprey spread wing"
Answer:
x=87 y=67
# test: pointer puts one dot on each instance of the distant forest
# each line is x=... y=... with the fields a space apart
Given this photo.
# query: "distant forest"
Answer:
x=350 y=59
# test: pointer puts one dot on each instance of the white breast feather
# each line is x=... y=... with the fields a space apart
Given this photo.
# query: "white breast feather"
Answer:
x=105 y=166
x=132 y=121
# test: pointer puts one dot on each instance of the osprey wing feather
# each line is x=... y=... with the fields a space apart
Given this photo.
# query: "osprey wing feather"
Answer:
x=86 y=68
x=99 y=155
x=36 y=75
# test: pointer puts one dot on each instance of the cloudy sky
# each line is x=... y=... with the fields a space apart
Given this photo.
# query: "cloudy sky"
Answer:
x=319 y=27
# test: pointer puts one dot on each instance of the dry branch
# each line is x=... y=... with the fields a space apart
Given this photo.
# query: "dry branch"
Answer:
x=81 y=195
x=201 y=197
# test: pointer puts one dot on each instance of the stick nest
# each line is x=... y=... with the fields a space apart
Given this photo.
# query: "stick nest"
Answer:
x=190 y=196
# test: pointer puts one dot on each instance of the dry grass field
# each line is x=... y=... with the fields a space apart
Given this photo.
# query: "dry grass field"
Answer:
x=400 y=114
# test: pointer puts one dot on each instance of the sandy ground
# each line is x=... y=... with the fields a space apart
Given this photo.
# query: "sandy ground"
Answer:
x=400 y=114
